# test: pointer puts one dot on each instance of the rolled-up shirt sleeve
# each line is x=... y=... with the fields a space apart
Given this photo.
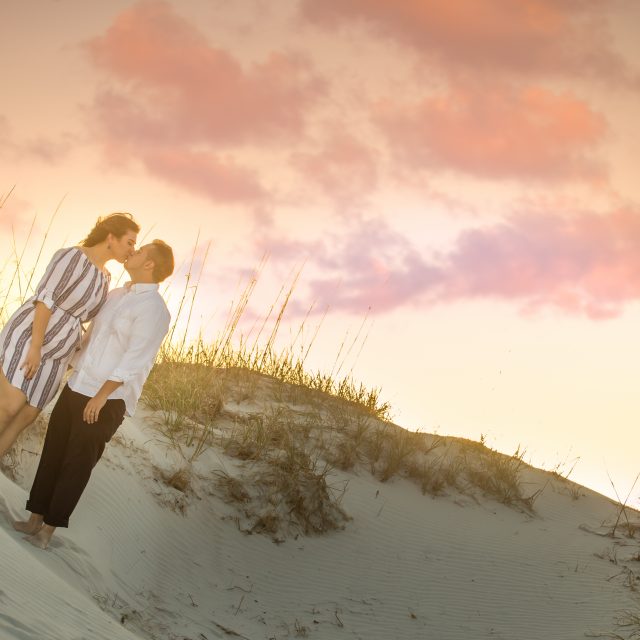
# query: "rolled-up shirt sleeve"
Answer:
x=56 y=277
x=147 y=333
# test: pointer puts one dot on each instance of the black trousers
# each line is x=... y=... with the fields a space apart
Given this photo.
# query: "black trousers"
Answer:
x=71 y=450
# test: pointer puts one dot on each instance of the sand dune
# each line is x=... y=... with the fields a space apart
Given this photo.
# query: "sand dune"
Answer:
x=142 y=559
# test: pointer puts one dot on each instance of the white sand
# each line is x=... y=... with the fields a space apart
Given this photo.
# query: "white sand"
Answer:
x=406 y=566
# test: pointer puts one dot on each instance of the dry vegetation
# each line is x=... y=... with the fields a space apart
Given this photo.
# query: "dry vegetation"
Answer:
x=289 y=478
x=25 y=450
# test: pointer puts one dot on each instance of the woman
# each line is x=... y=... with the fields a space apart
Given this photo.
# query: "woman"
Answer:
x=40 y=338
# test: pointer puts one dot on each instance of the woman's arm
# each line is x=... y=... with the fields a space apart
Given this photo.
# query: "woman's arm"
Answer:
x=50 y=287
x=40 y=322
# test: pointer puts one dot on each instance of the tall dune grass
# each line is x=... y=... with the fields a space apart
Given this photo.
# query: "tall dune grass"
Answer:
x=232 y=350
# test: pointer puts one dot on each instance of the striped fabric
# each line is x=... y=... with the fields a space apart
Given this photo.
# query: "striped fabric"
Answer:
x=75 y=290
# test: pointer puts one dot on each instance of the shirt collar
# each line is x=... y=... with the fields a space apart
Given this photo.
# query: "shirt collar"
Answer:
x=141 y=287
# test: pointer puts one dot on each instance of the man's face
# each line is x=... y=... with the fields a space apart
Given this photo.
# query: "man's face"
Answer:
x=137 y=260
x=125 y=246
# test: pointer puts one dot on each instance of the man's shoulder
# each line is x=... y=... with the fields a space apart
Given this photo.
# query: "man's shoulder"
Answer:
x=153 y=303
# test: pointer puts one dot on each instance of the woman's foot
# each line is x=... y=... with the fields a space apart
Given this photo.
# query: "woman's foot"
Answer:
x=42 y=537
x=30 y=526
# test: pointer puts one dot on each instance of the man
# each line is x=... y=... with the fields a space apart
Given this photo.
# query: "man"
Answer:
x=109 y=372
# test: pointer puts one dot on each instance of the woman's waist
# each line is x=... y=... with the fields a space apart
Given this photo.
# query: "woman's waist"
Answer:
x=63 y=334
x=69 y=309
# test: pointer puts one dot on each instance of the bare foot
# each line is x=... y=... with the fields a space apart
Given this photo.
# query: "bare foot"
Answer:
x=30 y=526
x=42 y=537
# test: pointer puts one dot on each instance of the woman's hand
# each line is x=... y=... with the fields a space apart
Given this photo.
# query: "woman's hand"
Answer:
x=31 y=362
x=92 y=409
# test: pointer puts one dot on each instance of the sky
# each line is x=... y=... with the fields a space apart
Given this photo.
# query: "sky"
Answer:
x=455 y=184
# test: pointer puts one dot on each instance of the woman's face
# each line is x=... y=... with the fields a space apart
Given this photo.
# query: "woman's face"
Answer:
x=123 y=247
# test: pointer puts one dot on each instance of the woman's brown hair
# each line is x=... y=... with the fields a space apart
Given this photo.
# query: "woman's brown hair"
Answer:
x=116 y=223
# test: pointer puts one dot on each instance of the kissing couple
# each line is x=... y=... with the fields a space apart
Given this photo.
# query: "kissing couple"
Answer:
x=110 y=362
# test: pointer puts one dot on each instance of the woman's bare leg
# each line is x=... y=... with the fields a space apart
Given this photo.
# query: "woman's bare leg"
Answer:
x=11 y=401
x=25 y=416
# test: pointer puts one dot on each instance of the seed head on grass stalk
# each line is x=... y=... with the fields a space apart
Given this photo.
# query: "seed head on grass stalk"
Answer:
x=223 y=344
x=21 y=294
x=256 y=347
x=193 y=297
x=44 y=239
x=18 y=259
x=276 y=326
x=335 y=372
x=5 y=197
x=17 y=269
x=186 y=288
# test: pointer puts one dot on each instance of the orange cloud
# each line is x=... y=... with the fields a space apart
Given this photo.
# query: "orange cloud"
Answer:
x=514 y=36
x=195 y=91
x=496 y=131
x=177 y=101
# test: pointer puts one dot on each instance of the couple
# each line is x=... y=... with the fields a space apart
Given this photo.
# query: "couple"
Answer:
x=110 y=363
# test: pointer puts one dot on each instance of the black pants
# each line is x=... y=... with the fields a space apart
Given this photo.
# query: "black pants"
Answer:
x=71 y=450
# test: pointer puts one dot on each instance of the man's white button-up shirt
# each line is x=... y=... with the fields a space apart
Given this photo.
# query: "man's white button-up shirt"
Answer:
x=121 y=343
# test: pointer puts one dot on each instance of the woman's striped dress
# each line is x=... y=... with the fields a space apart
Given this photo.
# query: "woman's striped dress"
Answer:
x=75 y=290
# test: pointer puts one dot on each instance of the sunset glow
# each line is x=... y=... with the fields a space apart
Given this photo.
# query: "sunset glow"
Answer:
x=455 y=181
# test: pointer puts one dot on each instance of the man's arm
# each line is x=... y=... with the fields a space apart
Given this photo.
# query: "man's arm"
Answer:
x=93 y=407
x=146 y=335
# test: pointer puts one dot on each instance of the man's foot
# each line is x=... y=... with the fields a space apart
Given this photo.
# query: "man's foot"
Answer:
x=42 y=537
x=30 y=526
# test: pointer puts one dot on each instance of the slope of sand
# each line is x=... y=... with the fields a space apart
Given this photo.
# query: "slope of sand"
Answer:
x=145 y=560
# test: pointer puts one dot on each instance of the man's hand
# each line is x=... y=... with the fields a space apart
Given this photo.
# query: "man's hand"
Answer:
x=31 y=362
x=92 y=409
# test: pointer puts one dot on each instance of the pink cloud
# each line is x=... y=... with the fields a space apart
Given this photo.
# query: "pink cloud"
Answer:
x=205 y=173
x=586 y=264
x=180 y=88
x=44 y=148
x=496 y=131
x=489 y=36
x=371 y=265
x=344 y=169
